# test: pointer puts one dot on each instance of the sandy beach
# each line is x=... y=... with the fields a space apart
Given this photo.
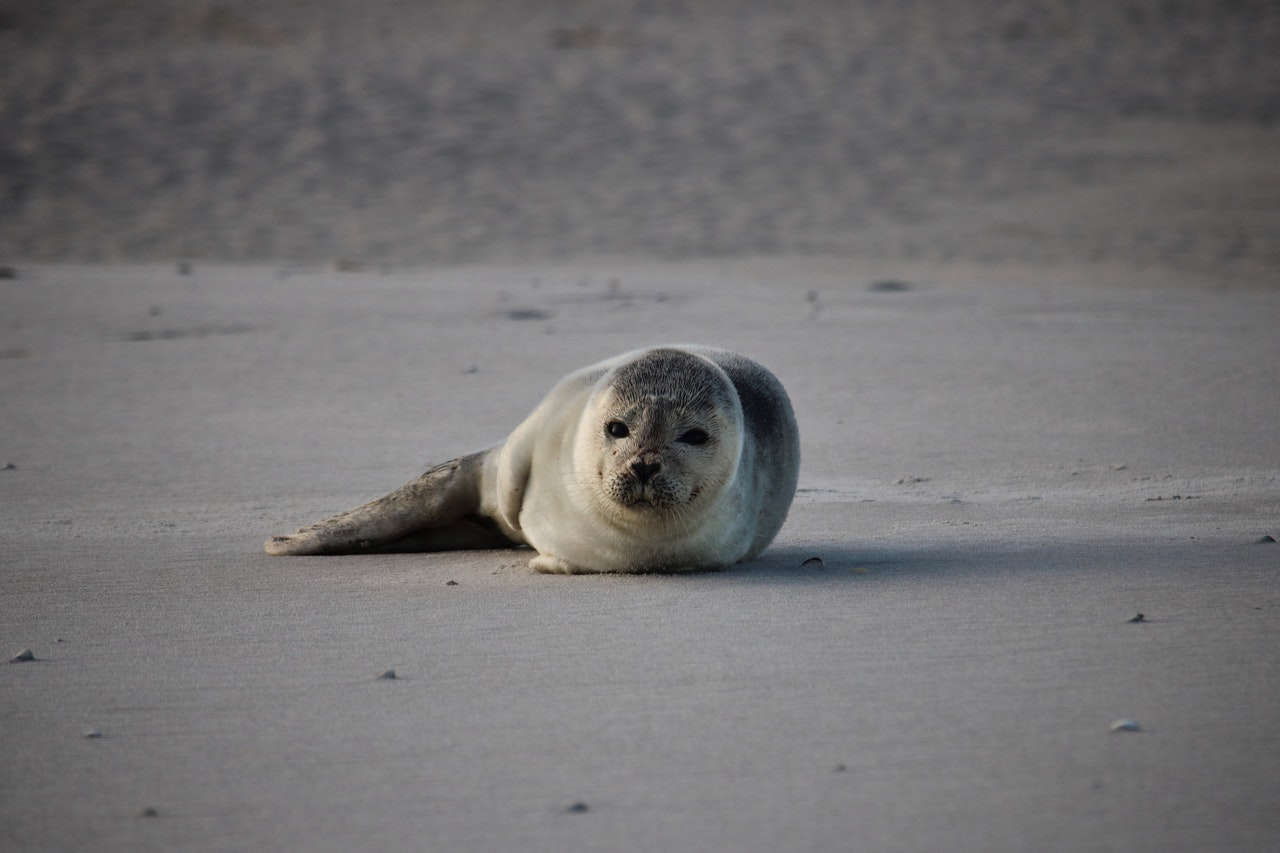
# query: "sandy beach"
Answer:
x=998 y=475
x=1016 y=268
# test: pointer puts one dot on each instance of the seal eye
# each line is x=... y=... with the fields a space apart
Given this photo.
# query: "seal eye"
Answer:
x=693 y=436
x=617 y=429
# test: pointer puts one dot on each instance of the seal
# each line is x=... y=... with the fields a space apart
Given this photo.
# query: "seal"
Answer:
x=672 y=458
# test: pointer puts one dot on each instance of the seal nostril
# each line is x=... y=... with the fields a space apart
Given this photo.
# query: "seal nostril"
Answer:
x=644 y=470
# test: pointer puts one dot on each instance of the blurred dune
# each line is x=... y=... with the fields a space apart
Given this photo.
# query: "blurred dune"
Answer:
x=1142 y=132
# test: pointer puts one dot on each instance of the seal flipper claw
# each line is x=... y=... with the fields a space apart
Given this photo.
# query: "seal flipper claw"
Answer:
x=421 y=510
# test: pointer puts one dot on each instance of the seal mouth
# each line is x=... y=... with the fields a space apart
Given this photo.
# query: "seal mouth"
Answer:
x=643 y=501
x=647 y=500
x=655 y=496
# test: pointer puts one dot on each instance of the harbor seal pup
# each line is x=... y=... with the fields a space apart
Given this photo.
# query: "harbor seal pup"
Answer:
x=674 y=458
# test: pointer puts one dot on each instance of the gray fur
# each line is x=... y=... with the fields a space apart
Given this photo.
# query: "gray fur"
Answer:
x=773 y=439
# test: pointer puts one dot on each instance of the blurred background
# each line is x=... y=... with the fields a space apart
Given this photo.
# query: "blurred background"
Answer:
x=394 y=132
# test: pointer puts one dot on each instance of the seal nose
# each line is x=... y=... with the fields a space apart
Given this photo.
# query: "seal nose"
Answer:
x=644 y=470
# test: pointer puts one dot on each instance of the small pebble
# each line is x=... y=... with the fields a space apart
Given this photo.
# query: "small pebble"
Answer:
x=578 y=808
x=184 y=268
x=389 y=675
x=814 y=562
x=1263 y=541
x=840 y=768
x=92 y=734
x=1126 y=726
x=451 y=583
x=9 y=466
x=889 y=286
x=149 y=812
x=8 y=272
x=1139 y=618
x=24 y=655
x=527 y=314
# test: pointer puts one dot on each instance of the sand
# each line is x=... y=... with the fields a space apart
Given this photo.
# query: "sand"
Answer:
x=1001 y=469
x=1016 y=267
x=379 y=131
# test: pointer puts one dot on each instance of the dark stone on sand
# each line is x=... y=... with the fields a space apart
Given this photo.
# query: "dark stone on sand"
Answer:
x=889 y=285
x=839 y=768
x=8 y=272
x=527 y=314
x=93 y=734
x=9 y=466
x=149 y=812
x=184 y=268
x=23 y=656
x=451 y=583
x=812 y=563
x=1139 y=618
x=578 y=38
x=1265 y=540
x=389 y=675
x=578 y=808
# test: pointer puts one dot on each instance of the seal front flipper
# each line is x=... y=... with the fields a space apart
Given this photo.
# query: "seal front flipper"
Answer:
x=437 y=511
x=515 y=463
x=555 y=566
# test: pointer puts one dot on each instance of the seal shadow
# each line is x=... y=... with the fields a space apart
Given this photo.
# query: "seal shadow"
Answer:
x=799 y=563
x=796 y=563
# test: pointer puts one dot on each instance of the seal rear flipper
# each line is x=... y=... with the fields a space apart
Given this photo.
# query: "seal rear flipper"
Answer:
x=434 y=506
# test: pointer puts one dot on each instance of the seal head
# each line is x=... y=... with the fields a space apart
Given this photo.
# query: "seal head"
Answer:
x=660 y=438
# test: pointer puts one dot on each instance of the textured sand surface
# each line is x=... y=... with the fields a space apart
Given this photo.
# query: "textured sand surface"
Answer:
x=1000 y=470
x=1015 y=263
